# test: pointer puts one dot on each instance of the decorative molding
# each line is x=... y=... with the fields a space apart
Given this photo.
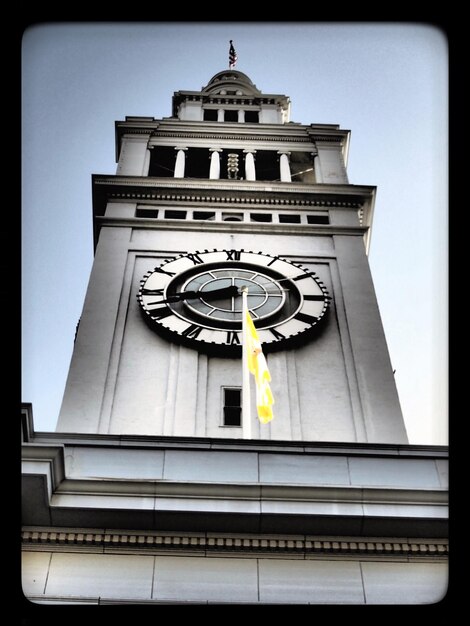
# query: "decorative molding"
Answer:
x=327 y=230
x=212 y=186
x=271 y=202
x=138 y=131
x=177 y=542
x=227 y=137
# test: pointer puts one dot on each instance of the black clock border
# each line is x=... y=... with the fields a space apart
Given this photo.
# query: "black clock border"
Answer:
x=226 y=350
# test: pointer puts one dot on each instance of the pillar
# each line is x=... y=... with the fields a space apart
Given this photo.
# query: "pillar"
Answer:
x=214 y=171
x=285 y=167
x=316 y=167
x=220 y=115
x=180 y=161
x=250 y=170
x=146 y=167
x=241 y=115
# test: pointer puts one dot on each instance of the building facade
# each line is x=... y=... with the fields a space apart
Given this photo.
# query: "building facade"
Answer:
x=150 y=490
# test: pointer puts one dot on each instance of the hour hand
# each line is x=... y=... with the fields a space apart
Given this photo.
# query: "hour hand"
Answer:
x=211 y=294
x=215 y=294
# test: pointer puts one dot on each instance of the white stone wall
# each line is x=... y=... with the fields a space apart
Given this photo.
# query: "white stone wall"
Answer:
x=134 y=157
x=190 y=111
x=270 y=114
x=126 y=379
x=329 y=164
x=92 y=578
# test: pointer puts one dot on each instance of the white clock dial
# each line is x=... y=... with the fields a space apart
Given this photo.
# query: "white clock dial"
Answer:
x=196 y=299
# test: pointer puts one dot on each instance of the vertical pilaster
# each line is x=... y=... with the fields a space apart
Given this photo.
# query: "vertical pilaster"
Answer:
x=220 y=115
x=241 y=115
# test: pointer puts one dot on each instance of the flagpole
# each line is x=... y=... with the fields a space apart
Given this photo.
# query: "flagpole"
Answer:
x=246 y=395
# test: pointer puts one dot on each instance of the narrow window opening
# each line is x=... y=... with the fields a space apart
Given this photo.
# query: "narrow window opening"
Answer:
x=162 y=161
x=231 y=115
x=175 y=215
x=232 y=217
x=261 y=217
x=318 y=219
x=203 y=215
x=210 y=115
x=289 y=219
x=252 y=117
x=267 y=165
x=232 y=397
x=153 y=213
x=197 y=163
x=302 y=168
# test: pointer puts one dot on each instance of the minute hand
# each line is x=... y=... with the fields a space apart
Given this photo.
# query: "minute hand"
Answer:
x=214 y=294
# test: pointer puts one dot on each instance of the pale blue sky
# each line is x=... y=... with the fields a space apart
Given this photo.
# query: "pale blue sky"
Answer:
x=387 y=83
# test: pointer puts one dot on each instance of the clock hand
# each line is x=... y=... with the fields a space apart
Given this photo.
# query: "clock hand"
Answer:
x=214 y=294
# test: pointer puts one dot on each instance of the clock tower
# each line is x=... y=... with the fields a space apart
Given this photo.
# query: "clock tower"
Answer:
x=150 y=491
x=225 y=192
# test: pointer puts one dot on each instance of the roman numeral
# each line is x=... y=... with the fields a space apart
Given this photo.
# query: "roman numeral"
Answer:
x=195 y=258
x=160 y=271
x=317 y=297
x=161 y=312
x=308 y=319
x=233 y=255
x=192 y=331
x=152 y=292
x=302 y=276
x=233 y=338
x=277 y=334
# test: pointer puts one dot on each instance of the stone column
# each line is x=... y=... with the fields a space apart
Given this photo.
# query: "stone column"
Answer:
x=284 y=167
x=250 y=170
x=220 y=115
x=214 y=171
x=316 y=167
x=241 y=115
x=180 y=161
x=146 y=167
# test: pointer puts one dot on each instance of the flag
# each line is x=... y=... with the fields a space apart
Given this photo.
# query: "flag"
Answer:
x=257 y=365
x=232 y=56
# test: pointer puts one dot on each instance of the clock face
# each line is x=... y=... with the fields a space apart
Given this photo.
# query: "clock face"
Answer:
x=195 y=299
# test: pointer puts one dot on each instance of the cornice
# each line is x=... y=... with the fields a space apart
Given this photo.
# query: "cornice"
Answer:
x=55 y=495
x=173 y=128
x=230 y=136
x=326 y=230
x=275 y=193
x=104 y=540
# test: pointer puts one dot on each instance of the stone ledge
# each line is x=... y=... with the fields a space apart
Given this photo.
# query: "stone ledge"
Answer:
x=207 y=542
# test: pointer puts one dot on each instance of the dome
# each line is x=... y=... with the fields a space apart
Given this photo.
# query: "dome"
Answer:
x=233 y=81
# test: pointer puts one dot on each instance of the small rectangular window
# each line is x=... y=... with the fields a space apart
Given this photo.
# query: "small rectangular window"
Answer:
x=289 y=219
x=153 y=213
x=210 y=115
x=261 y=217
x=252 y=117
x=232 y=397
x=203 y=215
x=232 y=217
x=175 y=215
x=231 y=115
x=318 y=219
